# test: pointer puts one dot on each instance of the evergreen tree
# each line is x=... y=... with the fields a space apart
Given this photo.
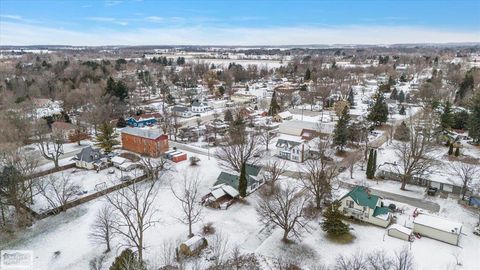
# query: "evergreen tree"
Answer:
x=242 y=181
x=474 y=118
x=450 y=149
x=460 y=120
x=402 y=133
x=332 y=222
x=446 y=119
x=307 y=75
x=401 y=96
x=117 y=89
x=340 y=134
x=121 y=122
x=106 y=137
x=394 y=94
x=374 y=166
x=126 y=260
x=228 y=116
x=457 y=152
x=370 y=165
x=221 y=90
x=379 y=111
x=351 y=98
x=274 y=107
x=402 y=110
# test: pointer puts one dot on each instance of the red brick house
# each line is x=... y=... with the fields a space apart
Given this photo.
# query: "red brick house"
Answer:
x=150 y=142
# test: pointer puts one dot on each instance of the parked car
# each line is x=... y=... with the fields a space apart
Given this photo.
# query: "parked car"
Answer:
x=432 y=191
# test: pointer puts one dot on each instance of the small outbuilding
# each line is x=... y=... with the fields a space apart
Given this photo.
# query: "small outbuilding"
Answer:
x=437 y=228
x=193 y=245
x=400 y=232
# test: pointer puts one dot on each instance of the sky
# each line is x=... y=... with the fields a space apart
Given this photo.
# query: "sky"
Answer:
x=237 y=22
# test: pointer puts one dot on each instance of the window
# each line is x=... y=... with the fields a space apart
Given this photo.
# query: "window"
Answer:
x=350 y=204
x=364 y=209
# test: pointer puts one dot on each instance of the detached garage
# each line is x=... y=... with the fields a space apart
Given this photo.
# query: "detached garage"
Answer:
x=400 y=232
x=438 y=228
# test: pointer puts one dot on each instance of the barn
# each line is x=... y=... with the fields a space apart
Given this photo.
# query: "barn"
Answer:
x=437 y=228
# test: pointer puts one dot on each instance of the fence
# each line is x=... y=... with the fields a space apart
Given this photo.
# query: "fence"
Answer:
x=50 y=171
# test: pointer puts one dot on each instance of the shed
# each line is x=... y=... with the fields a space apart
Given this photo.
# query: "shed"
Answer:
x=179 y=157
x=438 y=228
x=117 y=161
x=401 y=232
x=193 y=245
x=127 y=166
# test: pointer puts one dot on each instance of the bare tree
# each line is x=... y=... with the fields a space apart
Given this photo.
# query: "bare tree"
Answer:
x=154 y=168
x=355 y=262
x=403 y=260
x=284 y=209
x=274 y=172
x=240 y=149
x=379 y=260
x=58 y=190
x=189 y=198
x=351 y=160
x=265 y=136
x=219 y=247
x=413 y=155
x=135 y=209
x=50 y=145
x=101 y=230
x=97 y=263
x=465 y=172
x=317 y=177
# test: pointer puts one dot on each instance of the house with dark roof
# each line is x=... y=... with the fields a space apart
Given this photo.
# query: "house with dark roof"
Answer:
x=360 y=204
x=254 y=178
x=143 y=120
x=90 y=158
x=181 y=111
x=200 y=107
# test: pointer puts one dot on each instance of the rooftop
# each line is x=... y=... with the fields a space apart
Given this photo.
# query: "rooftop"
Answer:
x=144 y=133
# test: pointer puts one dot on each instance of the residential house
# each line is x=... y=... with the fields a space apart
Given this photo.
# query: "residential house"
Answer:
x=151 y=142
x=291 y=148
x=254 y=178
x=200 y=107
x=143 y=120
x=181 y=111
x=91 y=158
x=220 y=196
x=283 y=116
x=360 y=204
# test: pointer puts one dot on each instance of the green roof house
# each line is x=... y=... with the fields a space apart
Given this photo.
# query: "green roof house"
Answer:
x=254 y=177
x=360 y=204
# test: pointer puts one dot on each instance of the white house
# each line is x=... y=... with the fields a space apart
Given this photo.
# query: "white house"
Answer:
x=200 y=107
x=292 y=148
x=181 y=111
x=361 y=205
x=437 y=228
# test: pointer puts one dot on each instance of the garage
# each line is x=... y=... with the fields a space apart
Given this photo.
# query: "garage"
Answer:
x=400 y=232
x=438 y=228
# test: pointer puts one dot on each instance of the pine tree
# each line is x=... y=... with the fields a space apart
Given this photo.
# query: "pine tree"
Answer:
x=402 y=110
x=340 y=134
x=374 y=166
x=106 y=137
x=370 y=165
x=242 y=181
x=307 y=75
x=274 y=107
x=332 y=222
x=401 y=96
x=121 y=122
x=228 y=116
x=474 y=118
x=446 y=119
x=351 y=98
x=457 y=152
x=126 y=260
x=450 y=149
x=394 y=94
x=379 y=111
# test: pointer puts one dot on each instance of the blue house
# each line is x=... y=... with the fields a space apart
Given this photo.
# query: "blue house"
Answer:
x=143 y=120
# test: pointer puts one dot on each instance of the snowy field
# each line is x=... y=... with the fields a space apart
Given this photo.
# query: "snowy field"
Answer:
x=68 y=232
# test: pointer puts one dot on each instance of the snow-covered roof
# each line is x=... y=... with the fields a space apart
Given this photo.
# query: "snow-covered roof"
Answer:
x=438 y=223
x=144 y=133
x=285 y=114
x=400 y=228
x=118 y=160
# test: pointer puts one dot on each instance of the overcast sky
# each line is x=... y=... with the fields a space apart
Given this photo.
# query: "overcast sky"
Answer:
x=231 y=22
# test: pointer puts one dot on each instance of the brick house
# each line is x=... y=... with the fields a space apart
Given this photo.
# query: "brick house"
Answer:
x=150 y=142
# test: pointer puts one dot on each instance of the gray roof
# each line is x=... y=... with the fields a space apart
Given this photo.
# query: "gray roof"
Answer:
x=287 y=143
x=233 y=179
x=89 y=154
x=144 y=133
x=179 y=109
